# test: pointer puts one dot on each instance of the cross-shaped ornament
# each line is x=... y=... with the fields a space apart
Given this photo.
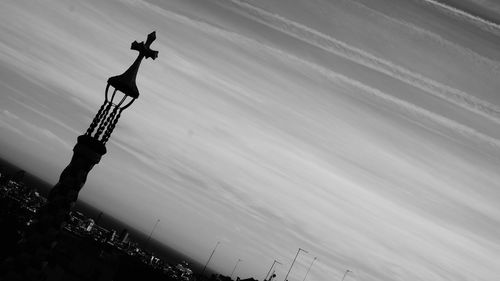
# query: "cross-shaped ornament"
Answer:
x=125 y=82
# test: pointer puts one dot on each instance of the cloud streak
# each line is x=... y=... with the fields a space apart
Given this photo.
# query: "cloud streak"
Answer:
x=479 y=22
x=238 y=137
x=337 y=47
x=463 y=51
x=407 y=107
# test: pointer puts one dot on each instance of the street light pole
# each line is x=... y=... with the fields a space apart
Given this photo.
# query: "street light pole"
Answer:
x=294 y=262
x=239 y=260
x=153 y=230
x=205 y=267
x=315 y=258
x=274 y=262
x=347 y=271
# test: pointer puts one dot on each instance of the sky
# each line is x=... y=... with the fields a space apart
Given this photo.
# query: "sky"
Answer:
x=365 y=132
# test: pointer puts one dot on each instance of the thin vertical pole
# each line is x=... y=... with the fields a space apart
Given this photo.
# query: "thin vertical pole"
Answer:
x=274 y=262
x=235 y=268
x=152 y=230
x=294 y=262
x=315 y=258
x=205 y=267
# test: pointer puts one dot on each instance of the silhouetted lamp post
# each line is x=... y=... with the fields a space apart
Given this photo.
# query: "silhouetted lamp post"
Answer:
x=239 y=260
x=272 y=265
x=298 y=251
x=153 y=230
x=121 y=91
x=211 y=255
x=309 y=269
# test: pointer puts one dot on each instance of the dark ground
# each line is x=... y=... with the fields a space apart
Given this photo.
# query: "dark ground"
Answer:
x=165 y=252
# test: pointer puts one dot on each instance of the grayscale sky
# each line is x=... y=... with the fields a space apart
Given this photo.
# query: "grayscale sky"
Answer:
x=364 y=131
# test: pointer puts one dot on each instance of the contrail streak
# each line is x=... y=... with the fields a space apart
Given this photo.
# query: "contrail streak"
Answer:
x=465 y=52
x=481 y=23
x=342 y=49
x=407 y=107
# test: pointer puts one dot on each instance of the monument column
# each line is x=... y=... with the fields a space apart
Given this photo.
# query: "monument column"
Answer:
x=33 y=255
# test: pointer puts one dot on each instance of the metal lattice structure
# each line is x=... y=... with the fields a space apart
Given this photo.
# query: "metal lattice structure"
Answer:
x=106 y=118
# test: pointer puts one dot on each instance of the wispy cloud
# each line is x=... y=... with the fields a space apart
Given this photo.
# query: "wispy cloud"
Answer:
x=465 y=52
x=479 y=22
x=30 y=131
x=240 y=138
x=328 y=43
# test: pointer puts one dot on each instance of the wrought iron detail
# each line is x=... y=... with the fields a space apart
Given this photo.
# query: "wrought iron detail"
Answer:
x=110 y=111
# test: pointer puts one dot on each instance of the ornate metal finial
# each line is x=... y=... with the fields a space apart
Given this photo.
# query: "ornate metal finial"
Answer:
x=106 y=118
x=125 y=83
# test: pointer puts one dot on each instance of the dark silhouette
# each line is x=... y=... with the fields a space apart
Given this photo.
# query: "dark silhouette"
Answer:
x=30 y=261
